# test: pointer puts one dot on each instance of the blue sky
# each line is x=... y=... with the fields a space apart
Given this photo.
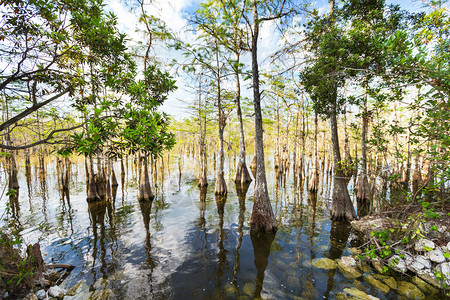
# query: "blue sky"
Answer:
x=174 y=12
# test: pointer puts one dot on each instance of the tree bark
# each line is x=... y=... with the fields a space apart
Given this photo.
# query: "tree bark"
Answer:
x=342 y=207
x=203 y=182
x=363 y=193
x=242 y=175
x=314 y=182
x=145 y=191
x=221 y=185
x=262 y=218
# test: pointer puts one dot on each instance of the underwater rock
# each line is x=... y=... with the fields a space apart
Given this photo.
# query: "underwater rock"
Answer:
x=388 y=280
x=75 y=289
x=424 y=244
x=324 y=263
x=378 y=266
x=409 y=290
x=391 y=282
x=229 y=290
x=348 y=266
x=363 y=266
x=101 y=284
x=377 y=284
x=248 y=289
x=353 y=294
x=429 y=277
x=424 y=286
x=105 y=294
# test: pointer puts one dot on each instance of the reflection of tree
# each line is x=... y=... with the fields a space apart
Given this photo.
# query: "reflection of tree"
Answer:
x=310 y=286
x=261 y=248
x=14 y=204
x=339 y=233
x=222 y=255
x=28 y=179
x=277 y=194
x=313 y=203
x=68 y=208
x=44 y=189
x=146 y=207
x=122 y=179
x=114 y=193
x=97 y=212
x=241 y=191
x=201 y=222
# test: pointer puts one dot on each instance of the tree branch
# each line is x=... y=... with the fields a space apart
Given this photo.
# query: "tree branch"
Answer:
x=31 y=109
x=41 y=141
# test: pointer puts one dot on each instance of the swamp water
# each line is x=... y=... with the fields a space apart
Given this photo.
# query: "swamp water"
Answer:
x=186 y=244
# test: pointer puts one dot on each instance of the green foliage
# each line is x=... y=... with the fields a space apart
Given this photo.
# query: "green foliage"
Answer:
x=11 y=193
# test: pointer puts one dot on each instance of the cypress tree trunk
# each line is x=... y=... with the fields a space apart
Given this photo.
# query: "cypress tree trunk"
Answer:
x=363 y=193
x=221 y=185
x=145 y=191
x=203 y=182
x=242 y=175
x=314 y=183
x=342 y=207
x=262 y=218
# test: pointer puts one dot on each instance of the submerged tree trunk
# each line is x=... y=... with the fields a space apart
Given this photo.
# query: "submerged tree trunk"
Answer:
x=342 y=207
x=262 y=218
x=145 y=191
x=92 y=189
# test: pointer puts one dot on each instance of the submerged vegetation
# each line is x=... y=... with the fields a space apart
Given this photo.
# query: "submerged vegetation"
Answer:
x=355 y=96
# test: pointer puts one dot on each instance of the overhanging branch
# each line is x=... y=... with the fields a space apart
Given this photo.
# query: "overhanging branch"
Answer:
x=50 y=136
x=31 y=109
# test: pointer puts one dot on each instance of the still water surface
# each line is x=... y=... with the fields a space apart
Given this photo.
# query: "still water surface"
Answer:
x=186 y=244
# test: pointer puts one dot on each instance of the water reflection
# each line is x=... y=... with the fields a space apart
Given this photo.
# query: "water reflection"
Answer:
x=195 y=246
x=339 y=233
x=261 y=247
x=222 y=262
x=146 y=207
x=241 y=191
x=97 y=213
